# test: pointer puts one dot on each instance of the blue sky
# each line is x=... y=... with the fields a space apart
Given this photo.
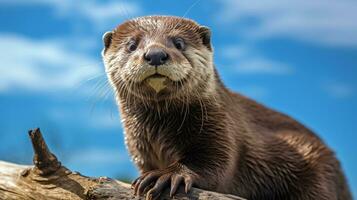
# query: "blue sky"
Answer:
x=299 y=57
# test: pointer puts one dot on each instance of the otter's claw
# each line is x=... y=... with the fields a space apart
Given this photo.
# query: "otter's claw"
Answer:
x=156 y=181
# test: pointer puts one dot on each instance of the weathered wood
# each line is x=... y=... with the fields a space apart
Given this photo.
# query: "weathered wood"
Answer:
x=49 y=180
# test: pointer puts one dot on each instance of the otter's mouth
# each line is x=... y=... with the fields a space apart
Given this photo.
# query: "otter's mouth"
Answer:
x=157 y=87
x=156 y=75
x=157 y=82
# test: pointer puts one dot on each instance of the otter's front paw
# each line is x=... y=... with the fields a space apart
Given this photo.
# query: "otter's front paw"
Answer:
x=156 y=181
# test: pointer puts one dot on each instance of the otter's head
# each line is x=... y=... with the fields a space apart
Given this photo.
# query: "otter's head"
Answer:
x=159 y=57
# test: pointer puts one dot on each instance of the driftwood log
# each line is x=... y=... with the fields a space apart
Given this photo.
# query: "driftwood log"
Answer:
x=48 y=180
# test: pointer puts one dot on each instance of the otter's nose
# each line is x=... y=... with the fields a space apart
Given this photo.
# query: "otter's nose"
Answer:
x=156 y=56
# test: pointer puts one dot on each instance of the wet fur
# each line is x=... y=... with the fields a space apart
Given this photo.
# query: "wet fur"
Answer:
x=234 y=144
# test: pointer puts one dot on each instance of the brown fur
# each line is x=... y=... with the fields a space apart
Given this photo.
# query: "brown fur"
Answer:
x=223 y=141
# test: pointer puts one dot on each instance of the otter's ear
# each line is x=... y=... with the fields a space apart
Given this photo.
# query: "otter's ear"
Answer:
x=205 y=33
x=107 y=39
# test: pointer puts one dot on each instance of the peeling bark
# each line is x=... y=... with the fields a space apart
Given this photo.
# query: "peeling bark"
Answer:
x=49 y=180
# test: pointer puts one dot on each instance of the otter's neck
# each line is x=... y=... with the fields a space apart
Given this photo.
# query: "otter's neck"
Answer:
x=173 y=114
x=179 y=107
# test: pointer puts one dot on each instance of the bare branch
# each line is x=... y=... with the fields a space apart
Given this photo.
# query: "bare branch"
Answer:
x=49 y=180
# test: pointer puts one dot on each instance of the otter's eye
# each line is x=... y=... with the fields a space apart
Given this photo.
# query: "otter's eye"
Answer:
x=179 y=43
x=132 y=45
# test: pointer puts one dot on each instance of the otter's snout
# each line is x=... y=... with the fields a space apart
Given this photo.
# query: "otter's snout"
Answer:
x=156 y=56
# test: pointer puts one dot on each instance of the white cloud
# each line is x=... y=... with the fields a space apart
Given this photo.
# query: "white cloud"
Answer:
x=327 y=22
x=42 y=65
x=339 y=90
x=94 y=161
x=95 y=155
x=254 y=91
x=100 y=13
x=108 y=11
x=256 y=65
x=247 y=61
x=100 y=117
x=233 y=52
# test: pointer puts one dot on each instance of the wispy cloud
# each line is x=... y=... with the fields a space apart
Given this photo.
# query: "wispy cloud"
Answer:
x=95 y=155
x=42 y=65
x=247 y=61
x=330 y=22
x=262 y=66
x=94 y=161
x=100 y=118
x=254 y=91
x=233 y=52
x=339 y=90
x=109 y=11
x=101 y=13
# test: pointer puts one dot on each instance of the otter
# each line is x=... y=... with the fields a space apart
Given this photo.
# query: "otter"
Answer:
x=183 y=127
